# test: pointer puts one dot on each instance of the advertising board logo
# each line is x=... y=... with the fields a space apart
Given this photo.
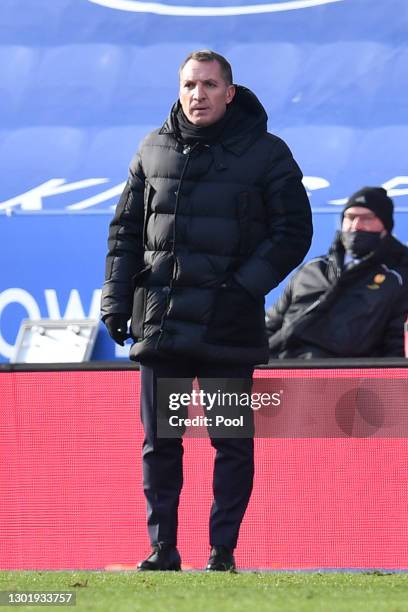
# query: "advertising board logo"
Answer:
x=37 y=198
x=176 y=10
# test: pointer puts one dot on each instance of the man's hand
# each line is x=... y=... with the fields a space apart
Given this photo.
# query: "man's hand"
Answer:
x=231 y=283
x=116 y=324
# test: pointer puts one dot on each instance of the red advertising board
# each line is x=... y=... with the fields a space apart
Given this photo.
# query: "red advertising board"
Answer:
x=331 y=484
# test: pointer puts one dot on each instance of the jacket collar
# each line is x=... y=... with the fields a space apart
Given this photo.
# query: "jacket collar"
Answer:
x=253 y=120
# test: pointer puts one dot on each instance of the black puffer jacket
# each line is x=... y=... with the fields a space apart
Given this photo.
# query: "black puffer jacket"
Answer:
x=326 y=311
x=200 y=235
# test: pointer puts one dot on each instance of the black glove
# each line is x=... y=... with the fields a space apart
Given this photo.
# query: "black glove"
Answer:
x=116 y=324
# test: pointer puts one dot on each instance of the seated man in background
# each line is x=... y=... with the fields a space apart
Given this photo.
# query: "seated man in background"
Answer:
x=352 y=302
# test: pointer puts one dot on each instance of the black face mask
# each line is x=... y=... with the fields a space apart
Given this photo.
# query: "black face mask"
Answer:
x=358 y=244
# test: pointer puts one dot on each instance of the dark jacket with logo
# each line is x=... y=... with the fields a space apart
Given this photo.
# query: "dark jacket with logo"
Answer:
x=328 y=311
x=200 y=235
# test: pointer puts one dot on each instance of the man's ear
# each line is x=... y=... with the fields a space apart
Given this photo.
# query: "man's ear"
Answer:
x=230 y=94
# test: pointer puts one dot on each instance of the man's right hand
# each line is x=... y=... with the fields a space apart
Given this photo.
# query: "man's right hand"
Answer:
x=117 y=326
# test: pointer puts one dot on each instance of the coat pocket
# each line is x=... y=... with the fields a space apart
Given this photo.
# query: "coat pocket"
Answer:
x=139 y=303
x=148 y=196
x=237 y=319
x=251 y=219
x=244 y=222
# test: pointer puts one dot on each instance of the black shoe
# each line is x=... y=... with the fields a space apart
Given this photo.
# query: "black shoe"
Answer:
x=221 y=560
x=164 y=557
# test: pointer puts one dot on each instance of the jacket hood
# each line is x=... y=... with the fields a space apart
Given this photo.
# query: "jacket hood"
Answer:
x=248 y=121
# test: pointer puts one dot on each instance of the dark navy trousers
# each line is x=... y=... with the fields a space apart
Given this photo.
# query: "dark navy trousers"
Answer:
x=163 y=457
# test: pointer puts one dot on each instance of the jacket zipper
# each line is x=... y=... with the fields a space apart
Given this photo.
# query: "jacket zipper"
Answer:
x=187 y=150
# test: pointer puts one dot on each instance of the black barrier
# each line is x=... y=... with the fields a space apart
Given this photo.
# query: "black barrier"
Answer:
x=278 y=364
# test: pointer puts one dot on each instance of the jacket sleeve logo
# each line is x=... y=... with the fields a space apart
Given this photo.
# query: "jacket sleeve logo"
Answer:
x=378 y=280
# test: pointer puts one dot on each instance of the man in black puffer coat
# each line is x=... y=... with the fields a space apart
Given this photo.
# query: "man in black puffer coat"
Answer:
x=213 y=216
x=352 y=302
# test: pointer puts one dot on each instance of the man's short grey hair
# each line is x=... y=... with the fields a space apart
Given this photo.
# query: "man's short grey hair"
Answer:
x=205 y=55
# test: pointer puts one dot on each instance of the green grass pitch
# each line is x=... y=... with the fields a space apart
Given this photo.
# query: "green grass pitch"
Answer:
x=200 y=592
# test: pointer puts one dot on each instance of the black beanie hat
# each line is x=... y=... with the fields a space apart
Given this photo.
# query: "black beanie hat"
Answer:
x=376 y=199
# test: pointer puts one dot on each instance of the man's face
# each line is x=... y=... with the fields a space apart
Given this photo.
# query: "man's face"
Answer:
x=204 y=94
x=359 y=218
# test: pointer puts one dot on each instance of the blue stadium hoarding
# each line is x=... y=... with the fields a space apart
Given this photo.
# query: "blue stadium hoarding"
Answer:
x=54 y=266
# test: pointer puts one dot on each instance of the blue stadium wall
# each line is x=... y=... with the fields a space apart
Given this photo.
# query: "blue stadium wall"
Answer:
x=81 y=82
